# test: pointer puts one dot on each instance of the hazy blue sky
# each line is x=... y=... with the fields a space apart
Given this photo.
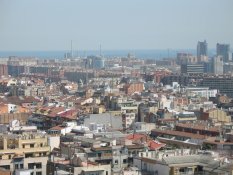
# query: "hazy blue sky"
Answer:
x=116 y=24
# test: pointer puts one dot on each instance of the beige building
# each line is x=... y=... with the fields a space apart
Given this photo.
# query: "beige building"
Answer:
x=218 y=115
x=28 y=151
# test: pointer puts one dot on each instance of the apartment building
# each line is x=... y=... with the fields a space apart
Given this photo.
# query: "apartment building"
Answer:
x=27 y=151
x=223 y=84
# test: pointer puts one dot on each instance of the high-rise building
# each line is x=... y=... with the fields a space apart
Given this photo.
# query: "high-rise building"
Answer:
x=184 y=58
x=192 y=68
x=15 y=70
x=227 y=68
x=98 y=62
x=95 y=62
x=202 y=48
x=218 y=65
x=223 y=84
x=224 y=51
x=3 y=70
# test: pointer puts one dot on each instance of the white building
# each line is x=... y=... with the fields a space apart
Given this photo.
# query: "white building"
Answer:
x=201 y=92
x=218 y=65
x=143 y=127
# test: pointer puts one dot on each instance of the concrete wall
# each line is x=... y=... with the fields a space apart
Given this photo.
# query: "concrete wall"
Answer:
x=53 y=142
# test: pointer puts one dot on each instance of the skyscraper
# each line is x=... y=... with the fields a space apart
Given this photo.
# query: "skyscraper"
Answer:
x=202 y=48
x=218 y=65
x=224 y=51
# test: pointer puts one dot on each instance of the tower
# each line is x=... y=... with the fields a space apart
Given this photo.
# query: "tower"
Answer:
x=71 y=49
x=224 y=51
x=202 y=48
x=218 y=65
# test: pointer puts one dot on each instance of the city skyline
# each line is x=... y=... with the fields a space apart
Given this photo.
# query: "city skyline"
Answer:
x=116 y=87
x=117 y=25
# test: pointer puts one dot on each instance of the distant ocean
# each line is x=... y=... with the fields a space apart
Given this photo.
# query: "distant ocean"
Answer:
x=144 y=54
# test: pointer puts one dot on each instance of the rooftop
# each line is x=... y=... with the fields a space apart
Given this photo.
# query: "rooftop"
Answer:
x=178 y=133
x=198 y=126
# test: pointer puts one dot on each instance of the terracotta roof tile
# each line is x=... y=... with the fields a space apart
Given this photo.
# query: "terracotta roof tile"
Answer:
x=178 y=133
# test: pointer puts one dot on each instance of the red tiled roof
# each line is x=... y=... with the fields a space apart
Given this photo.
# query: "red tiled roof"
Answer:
x=51 y=111
x=58 y=128
x=135 y=136
x=18 y=100
x=198 y=126
x=70 y=114
x=177 y=133
x=152 y=144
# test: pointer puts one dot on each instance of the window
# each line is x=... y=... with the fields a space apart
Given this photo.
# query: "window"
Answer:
x=106 y=172
x=116 y=161
x=124 y=160
x=21 y=166
x=31 y=145
x=181 y=170
x=38 y=165
x=5 y=167
x=32 y=173
x=28 y=155
x=39 y=173
x=16 y=166
x=31 y=166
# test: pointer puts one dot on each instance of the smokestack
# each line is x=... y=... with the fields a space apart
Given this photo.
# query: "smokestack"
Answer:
x=100 y=50
x=71 y=49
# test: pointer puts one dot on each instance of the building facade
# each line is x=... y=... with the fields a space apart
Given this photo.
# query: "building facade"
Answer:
x=192 y=68
x=202 y=48
x=27 y=151
x=223 y=84
x=224 y=51
x=218 y=65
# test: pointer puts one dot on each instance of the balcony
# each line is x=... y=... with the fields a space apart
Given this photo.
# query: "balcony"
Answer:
x=25 y=150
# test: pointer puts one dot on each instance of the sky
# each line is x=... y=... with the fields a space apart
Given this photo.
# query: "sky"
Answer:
x=36 y=25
